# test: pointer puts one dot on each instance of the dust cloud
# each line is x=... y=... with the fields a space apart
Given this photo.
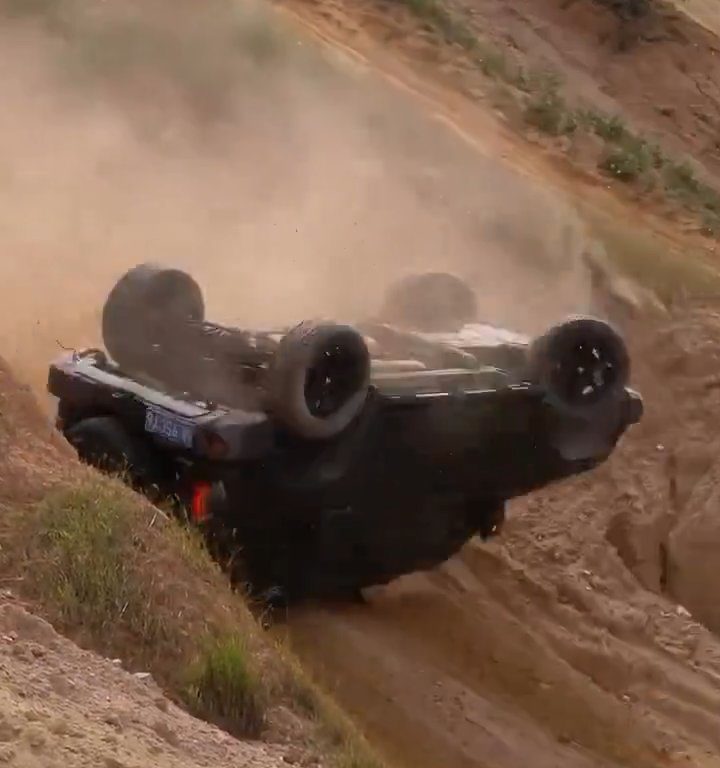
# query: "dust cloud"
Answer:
x=290 y=182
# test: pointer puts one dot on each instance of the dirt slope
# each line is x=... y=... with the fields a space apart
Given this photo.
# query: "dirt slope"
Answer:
x=61 y=707
x=656 y=69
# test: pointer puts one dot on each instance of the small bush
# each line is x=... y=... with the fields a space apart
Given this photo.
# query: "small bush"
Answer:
x=680 y=177
x=608 y=127
x=548 y=113
x=629 y=161
x=492 y=63
x=682 y=184
x=224 y=687
x=541 y=81
x=710 y=225
x=453 y=29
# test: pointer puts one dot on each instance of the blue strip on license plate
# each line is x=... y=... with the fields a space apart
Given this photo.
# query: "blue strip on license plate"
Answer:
x=170 y=427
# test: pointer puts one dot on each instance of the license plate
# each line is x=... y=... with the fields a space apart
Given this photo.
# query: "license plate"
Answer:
x=169 y=427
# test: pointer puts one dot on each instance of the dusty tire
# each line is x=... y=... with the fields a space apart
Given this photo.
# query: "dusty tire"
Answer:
x=145 y=309
x=102 y=442
x=582 y=363
x=318 y=379
x=430 y=302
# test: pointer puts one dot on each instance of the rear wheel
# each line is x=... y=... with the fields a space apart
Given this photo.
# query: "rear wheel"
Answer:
x=143 y=316
x=102 y=442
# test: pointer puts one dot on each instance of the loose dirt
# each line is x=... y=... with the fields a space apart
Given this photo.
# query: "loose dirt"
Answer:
x=61 y=707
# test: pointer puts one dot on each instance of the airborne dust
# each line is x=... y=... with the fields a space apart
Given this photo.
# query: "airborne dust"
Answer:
x=285 y=178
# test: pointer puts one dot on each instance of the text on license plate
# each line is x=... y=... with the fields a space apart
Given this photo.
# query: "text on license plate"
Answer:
x=170 y=427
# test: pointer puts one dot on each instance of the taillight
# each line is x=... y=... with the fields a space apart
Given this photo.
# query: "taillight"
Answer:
x=199 y=501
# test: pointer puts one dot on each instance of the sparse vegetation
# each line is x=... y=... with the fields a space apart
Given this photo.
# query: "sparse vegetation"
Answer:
x=452 y=28
x=627 y=157
x=117 y=575
x=611 y=128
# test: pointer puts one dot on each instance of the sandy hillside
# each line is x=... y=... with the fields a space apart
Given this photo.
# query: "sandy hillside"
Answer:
x=309 y=183
x=61 y=706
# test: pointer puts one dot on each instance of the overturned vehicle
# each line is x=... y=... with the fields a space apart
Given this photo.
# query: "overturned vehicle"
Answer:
x=335 y=457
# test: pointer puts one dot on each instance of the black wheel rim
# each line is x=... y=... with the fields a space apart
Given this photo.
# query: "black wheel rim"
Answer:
x=336 y=375
x=584 y=373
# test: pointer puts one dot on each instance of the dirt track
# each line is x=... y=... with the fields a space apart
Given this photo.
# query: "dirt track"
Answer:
x=543 y=649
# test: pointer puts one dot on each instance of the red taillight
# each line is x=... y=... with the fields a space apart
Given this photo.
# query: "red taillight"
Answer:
x=199 y=502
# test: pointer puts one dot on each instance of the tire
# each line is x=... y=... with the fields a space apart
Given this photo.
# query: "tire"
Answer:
x=318 y=379
x=144 y=313
x=430 y=302
x=102 y=442
x=582 y=363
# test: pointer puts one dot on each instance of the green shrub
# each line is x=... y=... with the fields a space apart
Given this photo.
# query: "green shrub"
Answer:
x=608 y=127
x=224 y=687
x=628 y=161
x=548 y=113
